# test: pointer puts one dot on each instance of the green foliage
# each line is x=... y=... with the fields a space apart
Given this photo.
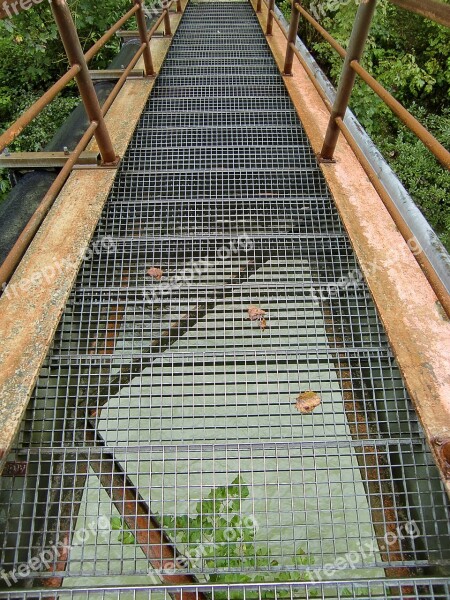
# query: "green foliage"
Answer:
x=32 y=58
x=427 y=181
x=410 y=56
x=220 y=538
x=40 y=131
x=125 y=536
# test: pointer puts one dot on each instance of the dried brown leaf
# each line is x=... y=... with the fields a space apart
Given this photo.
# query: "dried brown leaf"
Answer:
x=156 y=273
x=307 y=402
x=263 y=323
x=255 y=313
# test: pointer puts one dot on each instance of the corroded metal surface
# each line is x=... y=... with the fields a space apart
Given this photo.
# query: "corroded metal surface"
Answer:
x=32 y=304
x=417 y=327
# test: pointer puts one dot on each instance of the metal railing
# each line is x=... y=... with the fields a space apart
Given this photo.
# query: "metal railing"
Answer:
x=78 y=62
x=432 y=9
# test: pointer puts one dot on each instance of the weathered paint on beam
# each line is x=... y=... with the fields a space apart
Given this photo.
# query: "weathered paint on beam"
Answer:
x=417 y=327
x=33 y=302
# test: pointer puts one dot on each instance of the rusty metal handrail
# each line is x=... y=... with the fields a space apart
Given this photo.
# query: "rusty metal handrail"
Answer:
x=431 y=9
x=78 y=70
x=442 y=155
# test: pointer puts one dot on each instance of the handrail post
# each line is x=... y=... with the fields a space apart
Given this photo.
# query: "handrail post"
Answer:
x=270 y=17
x=179 y=6
x=142 y=27
x=355 y=50
x=167 y=28
x=292 y=38
x=69 y=37
x=259 y=6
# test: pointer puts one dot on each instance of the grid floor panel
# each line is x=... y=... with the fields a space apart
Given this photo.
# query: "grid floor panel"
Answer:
x=167 y=424
x=251 y=483
x=194 y=218
x=218 y=157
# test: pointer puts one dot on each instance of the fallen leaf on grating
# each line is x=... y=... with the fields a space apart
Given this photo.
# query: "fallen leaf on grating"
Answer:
x=255 y=313
x=307 y=402
x=155 y=273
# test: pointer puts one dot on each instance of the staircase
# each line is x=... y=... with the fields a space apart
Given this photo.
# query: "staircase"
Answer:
x=212 y=392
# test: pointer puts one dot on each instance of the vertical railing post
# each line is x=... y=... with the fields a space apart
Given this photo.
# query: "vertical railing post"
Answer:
x=179 y=6
x=143 y=34
x=167 y=28
x=258 y=6
x=355 y=50
x=69 y=37
x=270 y=17
x=292 y=38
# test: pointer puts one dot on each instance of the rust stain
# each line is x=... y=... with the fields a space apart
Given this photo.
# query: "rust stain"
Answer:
x=148 y=532
x=31 y=307
x=406 y=303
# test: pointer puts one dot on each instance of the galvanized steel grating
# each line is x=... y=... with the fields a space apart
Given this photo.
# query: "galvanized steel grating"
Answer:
x=164 y=438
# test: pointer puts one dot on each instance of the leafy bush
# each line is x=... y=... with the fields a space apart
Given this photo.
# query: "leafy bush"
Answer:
x=32 y=58
x=410 y=56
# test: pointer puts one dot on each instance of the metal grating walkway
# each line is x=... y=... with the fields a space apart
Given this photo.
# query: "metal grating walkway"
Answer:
x=164 y=423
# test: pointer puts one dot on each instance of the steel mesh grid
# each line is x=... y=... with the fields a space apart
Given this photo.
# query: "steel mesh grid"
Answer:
x=366 y=589
x=191 y=137
x=143 y=159
x=195 y=218
x=223 y=41
x=221 y=76
x=249 y=103
x=250 y=397
x=387 y=413
x=214 y=62
x=238 y=183
x=215 y=90
x=201 y=133
x=273 y=260
x=133 y=323
x=170 y=123
x=278 y=491
x=218 y=53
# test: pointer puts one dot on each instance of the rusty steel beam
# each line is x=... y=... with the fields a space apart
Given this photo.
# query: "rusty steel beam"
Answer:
x=142 y=28
x=24 y=240
x=167 y=27
x=435 y=282
x=355 y=50
x=113 y=74
x=159 y=550
x=270 y=16
x=18 y=126
x=34 y=160
x=312 y=78
x=430 y=9
x=291 y=38
x=71 y=42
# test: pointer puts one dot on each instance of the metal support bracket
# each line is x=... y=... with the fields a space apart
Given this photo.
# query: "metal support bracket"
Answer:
x=134 y=35
x=114 y=74
x=34 y=160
